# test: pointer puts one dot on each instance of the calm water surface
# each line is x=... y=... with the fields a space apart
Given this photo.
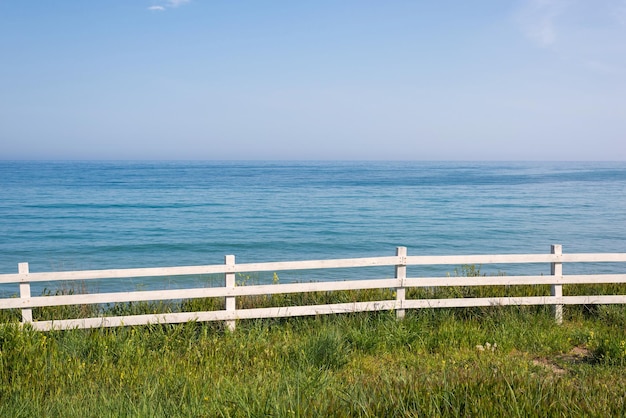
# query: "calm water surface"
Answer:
x=93 y=215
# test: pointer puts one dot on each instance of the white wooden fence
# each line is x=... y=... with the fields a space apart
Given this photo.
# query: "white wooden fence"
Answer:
x=399 y=282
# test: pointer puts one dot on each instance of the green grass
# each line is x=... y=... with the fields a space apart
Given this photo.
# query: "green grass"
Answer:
x=365 y=365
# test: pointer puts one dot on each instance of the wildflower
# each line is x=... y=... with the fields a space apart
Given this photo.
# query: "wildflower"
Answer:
x=487 y=347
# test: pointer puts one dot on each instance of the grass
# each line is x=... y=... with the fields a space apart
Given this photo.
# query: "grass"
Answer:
x=493 y=361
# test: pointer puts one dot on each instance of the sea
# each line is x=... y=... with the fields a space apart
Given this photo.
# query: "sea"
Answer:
x=83 y=215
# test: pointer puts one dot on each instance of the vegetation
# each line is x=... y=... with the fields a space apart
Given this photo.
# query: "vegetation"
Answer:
x=493 y=361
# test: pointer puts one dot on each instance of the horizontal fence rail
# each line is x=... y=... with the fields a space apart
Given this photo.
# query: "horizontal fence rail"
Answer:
x=399 y=283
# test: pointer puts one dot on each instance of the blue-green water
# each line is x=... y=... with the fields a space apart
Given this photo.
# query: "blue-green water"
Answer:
x=93 y=215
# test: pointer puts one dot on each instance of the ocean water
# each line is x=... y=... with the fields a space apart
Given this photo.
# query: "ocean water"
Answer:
x=94 y=215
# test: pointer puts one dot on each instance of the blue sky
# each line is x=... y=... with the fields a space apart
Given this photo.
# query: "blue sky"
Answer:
x=393 y=80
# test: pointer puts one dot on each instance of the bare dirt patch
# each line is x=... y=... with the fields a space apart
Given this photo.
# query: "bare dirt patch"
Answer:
x=574 y=356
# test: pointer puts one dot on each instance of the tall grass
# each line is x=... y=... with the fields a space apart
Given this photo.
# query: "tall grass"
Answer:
x=494 y=361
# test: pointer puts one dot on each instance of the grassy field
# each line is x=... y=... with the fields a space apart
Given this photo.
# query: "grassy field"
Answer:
x=496 y=361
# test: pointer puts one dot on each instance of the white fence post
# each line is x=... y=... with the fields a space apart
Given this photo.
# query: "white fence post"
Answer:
x=27 y=314
x=401 y=275
x=556 y=269
x=229 y=281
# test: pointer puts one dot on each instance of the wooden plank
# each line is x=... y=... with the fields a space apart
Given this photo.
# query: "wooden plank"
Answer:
x=315 y=287
x=514 y=280
x=556 y=289
x=594 y=258
x=291 y=311
x=318 y=264
x=229 y=283
x=593 y=300
x=400 y=276
x=200 y=270
x=182 y=317
x=309 y=265
x=478 y=302
x=116 y=321
x=592 y=279
x=338 y=308
x=480 y=259
x=27 y=314
x=114 y=274
x=116 y=297
x=196 y=293
x=519 y=301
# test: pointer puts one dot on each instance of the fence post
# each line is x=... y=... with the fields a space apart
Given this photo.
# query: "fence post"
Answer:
x=401 y=275
x=556 y=269
x=229 y=282
x=27 y=314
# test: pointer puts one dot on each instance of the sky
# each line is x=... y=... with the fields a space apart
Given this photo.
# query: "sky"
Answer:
x=313 y=80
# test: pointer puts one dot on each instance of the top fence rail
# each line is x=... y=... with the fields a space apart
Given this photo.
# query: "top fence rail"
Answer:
x=312 y=265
